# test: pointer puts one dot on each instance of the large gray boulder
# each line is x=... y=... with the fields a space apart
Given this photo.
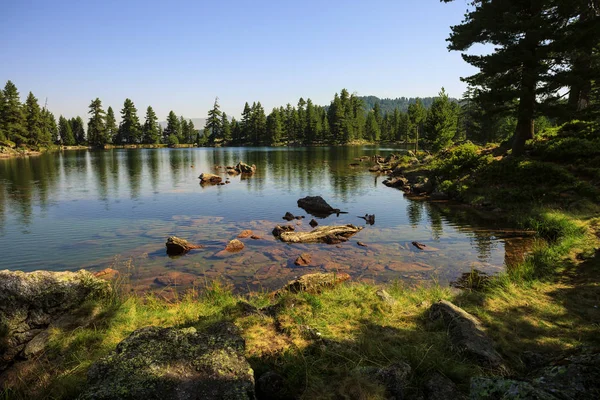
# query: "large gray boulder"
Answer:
x=174 y=364
x=30 y=302
x=466 y=333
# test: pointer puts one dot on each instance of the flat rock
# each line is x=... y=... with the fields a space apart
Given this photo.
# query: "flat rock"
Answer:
x=466 y=333
x=245 y=234
x=209 y=178
x=314 y=283
x=174 y=364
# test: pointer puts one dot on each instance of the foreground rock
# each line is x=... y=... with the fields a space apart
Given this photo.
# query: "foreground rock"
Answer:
x=466 y=333
x=243 y=168
x=30 y=302
x=322 y=234
x=169 y=363
x=573 y=376
x=313 y=283
x=177 y=246
x=209 y=179
x=317 y=206
x=438 y=387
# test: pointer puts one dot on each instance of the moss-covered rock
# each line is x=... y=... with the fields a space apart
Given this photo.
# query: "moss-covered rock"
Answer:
x=170 y=363
x=313 y=283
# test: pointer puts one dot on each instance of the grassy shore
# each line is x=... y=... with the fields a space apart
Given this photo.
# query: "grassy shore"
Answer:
x=322 y=343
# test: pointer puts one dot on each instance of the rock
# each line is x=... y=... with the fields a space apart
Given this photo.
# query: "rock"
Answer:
x=175 y=278
x=316 y=206
x=361 y=244
x=174 y=364
x=303 y=260
x=256 y=237
x=244 y=168
x=419 y=246
x=31 y=302
x=397 y=182
x=424 y=187
x=289 y=216
x=502 y=388
x=234 y=246
x=232 y=171
x=107 y=274
x=271 y=386
x=394 y=378
x=245 y=234
x=313 y=283
x=439 y=196
x=177 y=246
x=323 y=234
x=369 y=218
x=438 y=387
x=385 y=297
x=313 y=223
x=278 y=230
x=375 y=168
x=299 y=217
x=466 y=333
x=209 y=178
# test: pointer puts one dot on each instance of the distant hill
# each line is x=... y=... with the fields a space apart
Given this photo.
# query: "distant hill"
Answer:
x=198 y=122
x=401 y=103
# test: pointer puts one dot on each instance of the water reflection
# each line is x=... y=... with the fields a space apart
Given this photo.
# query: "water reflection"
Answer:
x=80 y=209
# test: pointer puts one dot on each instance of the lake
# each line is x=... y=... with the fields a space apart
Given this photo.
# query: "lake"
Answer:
x=94 y=209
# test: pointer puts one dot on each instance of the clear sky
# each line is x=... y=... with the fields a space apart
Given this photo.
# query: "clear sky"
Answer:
x=179 y=55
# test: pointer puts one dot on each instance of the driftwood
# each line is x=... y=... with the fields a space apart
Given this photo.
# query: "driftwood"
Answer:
x=323 y=234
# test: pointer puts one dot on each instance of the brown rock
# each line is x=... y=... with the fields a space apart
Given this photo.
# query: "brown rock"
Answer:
x=303 y=260
x=209 y=178
x=256 y=237
x=313 y=283
x=234 y=246
x=361 y=244
x=107 y=274
x=175 y=278
x=245 y=234
x=279 y=229
x=177 y=246
x=323 y=234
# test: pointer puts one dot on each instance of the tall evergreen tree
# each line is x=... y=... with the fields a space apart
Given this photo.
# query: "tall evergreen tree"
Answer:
x=183 y=132
x=13 y=115
x=245 y=123
x=150 y=131
x=50 y=129
x=173 y=127
x=34 y=121
x=65 y=132
x=78 y=130
x=274 y=127
x=213 y=123
x=442 y=121
x=416 y=116
x=112 y=131
x=2 y=127
x=130 y=130
x=226 y=128
x=259 y=124
x=372 y=128
x=96 y=124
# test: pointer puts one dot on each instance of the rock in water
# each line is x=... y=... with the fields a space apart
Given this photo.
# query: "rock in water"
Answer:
x=278 y=230
x=289 y=216
x=322 y=234
x=303 y=260
x=313 y=223
x=234 y=246
x=316 y=206
x=177 y=246
x=313 y=283
x=245 y=234
x=466 y=333
x=244 y=168
x=209 y=178
x=30 y=302
x=174 y=364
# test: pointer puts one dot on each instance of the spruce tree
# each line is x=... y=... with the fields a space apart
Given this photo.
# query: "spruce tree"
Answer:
x=192 y=134
x=112 y=131
x=150 y=130
x=13 y=116
x=226 y=128
x=416 y=117
x=245 y=123
x=274 y=127
x=130 y=130
x=34 y=121
x=65 y=132
x=372 y=128
x=173 y=127
x=213 y=123
x=2 y=127
x=183 y=133
x=96 y=124
x=259 y=124
x=441 y=123
x=78 y=131
x=50 y=129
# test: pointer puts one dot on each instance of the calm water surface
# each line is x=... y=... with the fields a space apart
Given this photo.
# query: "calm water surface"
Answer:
x=93 y=209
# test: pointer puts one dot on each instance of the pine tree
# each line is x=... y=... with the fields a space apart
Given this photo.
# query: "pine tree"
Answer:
x=442 y=121
x=274 y=127
x=245 y=123
x=358 y=121
x=372 y=128
x=2 y=124
x=130 y=130
x=34 y=122
x=50 y=129
x=78 y=131
x=183 y=132
x=416 y=117
x=259 y=124
x=312 y=123
x=13 y=116
x=96 y=124
x=173 y=127
x=65 y=132
x=112 y=131
x=150 y=131
x=192 y=134
x=336 y=119
x=226 y=128
x=213 y=123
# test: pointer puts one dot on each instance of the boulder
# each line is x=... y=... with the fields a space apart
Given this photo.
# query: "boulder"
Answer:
x=313 y=223
x=234 y=246
x=245 y=234
x=174 y=364
x=244 y=168
x=396 y=182
x=303 y=260
x=313 y=283
x=31 y=302
x=279 y=229
x=177 y=246
x=322 y=234
x=394 y=378
x=438 y=387
x=317 y=206
x=423 y=187
x=209 y=178
x=466 y=333
x=289 y=216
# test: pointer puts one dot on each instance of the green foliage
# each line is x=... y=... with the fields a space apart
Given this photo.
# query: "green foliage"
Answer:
x=173 y=127
x=173 y=140
x=13 y=116
x=442 y=122
x=78 y=130
x=97 y=124
x=372 y=129
x=454 y=162
x=112 y=131
x=66 y=133
x=150 y=130
x=130 y=131
x=214 y=123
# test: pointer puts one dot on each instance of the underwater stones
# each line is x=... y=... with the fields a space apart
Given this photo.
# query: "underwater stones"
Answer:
x=177 y=246
x=303 y=260
x=313 y=283
x=245 y=234
x=234 y=246
x=170 y=363
x=323 y=234
x=175 y=278
x=466 y=333
x=30 y=302
x=209 y=178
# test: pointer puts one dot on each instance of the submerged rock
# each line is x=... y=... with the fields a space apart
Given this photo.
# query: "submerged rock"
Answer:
x=466 y=333
x=31 y=302
x=174 y=364
x=313 y=283
x=303 y=260
x=245 y=234
x=209 y=178
x=177 y=246
x=323 y=234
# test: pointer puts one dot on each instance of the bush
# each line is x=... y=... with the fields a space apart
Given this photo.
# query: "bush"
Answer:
x=173 y=141
x=456 y=161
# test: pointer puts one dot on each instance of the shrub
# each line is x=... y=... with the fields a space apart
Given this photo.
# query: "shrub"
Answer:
x=173 y=140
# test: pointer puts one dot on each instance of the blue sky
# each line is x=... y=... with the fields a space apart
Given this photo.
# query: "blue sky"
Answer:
x=179 y=55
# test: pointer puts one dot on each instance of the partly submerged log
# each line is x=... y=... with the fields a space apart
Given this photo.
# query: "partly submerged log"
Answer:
x=177 y=246
x=321 y=234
